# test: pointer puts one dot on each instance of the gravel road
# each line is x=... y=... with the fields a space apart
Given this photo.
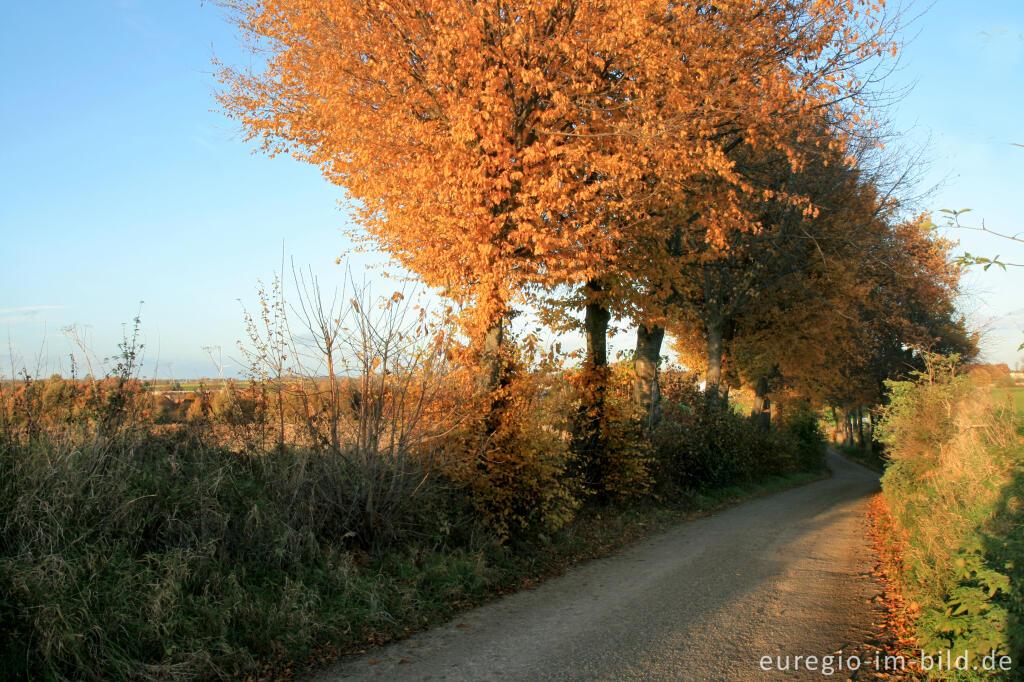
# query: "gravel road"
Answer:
x=787 y=574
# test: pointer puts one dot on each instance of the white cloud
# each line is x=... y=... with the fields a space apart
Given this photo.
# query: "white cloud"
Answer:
x=25 y=312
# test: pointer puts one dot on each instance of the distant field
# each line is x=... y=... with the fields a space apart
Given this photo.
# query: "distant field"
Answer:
x=192 y=385
x=1016 y=394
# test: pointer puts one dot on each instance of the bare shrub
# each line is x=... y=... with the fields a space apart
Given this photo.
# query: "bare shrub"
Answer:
x=362 y=389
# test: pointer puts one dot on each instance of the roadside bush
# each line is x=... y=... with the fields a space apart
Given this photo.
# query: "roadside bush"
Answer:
x=804 y=427
x=702 y=443
x=625 y=460
x=613 y=459
x=699 y=446
x=955 y=490
x=518 y=470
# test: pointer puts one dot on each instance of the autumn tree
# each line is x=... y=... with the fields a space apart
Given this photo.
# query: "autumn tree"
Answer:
x=477 y=139
x=504 y=150
x=491 y=147
x=909 y=282
x=859 y=319
x=783 y=80
x=771 y=136
x=789 y=219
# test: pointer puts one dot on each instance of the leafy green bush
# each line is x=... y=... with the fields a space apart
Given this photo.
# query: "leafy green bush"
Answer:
x=804 y=427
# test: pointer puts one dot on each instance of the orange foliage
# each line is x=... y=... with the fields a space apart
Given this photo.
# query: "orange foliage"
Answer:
x=496 y=147
x=826 y=303
x=514 y=458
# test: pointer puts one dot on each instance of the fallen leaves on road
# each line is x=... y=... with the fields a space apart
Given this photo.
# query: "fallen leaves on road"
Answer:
x=897 y=628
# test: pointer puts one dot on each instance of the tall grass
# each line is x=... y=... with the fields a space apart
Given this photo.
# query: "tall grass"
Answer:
x=151 y=558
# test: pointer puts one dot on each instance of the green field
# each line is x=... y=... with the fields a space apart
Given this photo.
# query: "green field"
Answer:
x=1015 y=394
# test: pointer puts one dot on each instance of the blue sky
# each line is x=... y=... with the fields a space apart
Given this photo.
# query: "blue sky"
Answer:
x=965 y=62
x=121 y=182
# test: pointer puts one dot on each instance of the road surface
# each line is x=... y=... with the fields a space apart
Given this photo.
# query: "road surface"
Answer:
x=784 y=575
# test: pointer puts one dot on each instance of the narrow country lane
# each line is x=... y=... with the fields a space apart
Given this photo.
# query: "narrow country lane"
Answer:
x=787 y=574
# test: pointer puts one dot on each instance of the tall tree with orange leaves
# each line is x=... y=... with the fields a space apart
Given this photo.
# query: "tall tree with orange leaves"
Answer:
x=798 y=204
x=475 y=138
x=497 y=147
x=833 y=332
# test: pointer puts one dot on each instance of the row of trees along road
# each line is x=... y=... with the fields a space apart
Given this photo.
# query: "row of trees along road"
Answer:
x=709 y=169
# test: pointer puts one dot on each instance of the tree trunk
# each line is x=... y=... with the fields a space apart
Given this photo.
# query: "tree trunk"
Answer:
x=588 y=438
x=646 y=396
x=759 y=412
x=715 y=330
x=596 y=326
x=488 y=381
x=864 y=445
x=490 y=357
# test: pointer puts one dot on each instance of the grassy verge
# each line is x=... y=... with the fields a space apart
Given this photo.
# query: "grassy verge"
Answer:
x=165 y=559
x=226 y=547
